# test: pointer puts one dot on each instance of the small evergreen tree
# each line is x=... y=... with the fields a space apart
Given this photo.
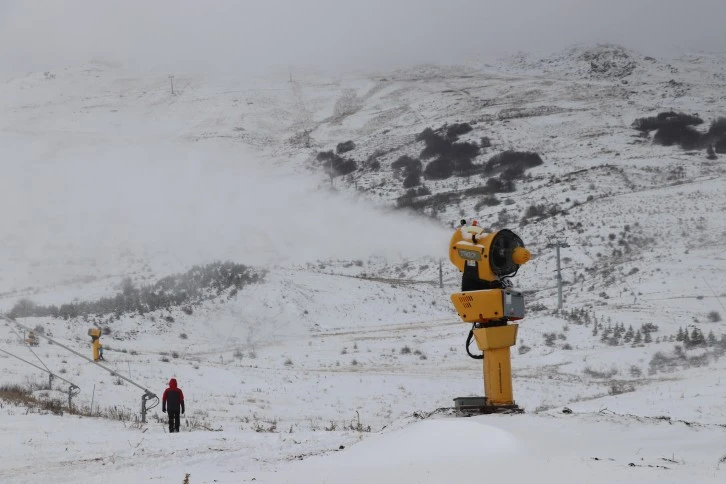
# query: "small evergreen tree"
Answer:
x=711 y=340
x=697 y=338
x=629 y=335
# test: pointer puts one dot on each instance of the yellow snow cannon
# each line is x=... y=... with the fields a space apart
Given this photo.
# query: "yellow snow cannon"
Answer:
x=95 y=334
x=32 y=339
x=488 y=302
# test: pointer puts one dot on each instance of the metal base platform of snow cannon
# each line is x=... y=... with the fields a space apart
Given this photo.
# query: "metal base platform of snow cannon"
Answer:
x=469 y=406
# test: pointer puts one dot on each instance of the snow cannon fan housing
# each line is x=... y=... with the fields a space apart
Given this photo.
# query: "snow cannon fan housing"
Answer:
x=486 y=260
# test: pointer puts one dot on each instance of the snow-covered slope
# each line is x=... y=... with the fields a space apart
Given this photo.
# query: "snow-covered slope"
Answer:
x=349 y=338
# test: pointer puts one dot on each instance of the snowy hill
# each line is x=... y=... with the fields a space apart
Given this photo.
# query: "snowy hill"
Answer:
x=348 y=339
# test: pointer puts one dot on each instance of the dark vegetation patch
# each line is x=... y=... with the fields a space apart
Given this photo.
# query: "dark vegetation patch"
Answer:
x=410 y=168
x=421 y=198
x=453 y=158
x=718 y=128
x=345 y=147
x=450 y=157
x=686 y=137
x=541 y=211
x=664 y=119
x=514 y=163
x=457 y=129
x=198 y=284
x=717 y=135
x=677 y=129
x=336 y=165
x=488 y=201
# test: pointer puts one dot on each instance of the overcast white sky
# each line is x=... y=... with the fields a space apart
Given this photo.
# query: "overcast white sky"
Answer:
x=223 y=35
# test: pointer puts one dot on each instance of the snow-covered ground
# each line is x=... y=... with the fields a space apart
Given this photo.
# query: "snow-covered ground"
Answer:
x=332 y=369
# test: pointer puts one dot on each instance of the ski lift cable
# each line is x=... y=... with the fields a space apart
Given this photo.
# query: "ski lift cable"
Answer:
x=31 y=350
x=112 y=372
x=41 y=361
x=41 y=369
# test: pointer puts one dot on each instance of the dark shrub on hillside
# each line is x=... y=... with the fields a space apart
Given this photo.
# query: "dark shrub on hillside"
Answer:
x=717 y=136
x=685 y=136
x=464 y=151
x=541 y=211
x=343 y=167
x=345 y=147
x=485 y=142
x=407 y=164
x=477 y=190
x=490 y=201
x=325 y=155
x=464 y=167
x=451 y=158
x=436 y=145
x=415 y=198
x=439 y=169
x=413 y=179
x=425 y=135
x=457 y=129
x=513 y=173
x=411 y=169
x=497 y=185
x=335 y=165
x=511 y=160
x=668 y=118
x=718 y=128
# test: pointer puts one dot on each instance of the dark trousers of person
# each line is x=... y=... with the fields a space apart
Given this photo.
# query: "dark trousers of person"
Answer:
x=173 y=421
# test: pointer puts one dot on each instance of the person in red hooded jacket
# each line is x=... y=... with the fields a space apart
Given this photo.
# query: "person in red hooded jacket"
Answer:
x=172 y=402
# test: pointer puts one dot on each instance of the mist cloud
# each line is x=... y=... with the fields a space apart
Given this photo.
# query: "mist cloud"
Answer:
x=246 y=36
x=98 y=208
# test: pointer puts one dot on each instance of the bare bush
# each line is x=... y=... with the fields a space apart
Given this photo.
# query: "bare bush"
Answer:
x=607 y=374
x=345 y=147
x=666 y=119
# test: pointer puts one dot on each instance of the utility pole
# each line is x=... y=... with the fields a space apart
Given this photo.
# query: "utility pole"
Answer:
x=441 y=275
x=171 y=78
x=559 y=244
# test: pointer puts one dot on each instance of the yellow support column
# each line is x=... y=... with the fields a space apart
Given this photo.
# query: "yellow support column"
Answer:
x=495 y=343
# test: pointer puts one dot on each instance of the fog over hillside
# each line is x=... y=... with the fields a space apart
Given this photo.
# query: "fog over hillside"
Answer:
x=185 y=204
x=248 y=37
